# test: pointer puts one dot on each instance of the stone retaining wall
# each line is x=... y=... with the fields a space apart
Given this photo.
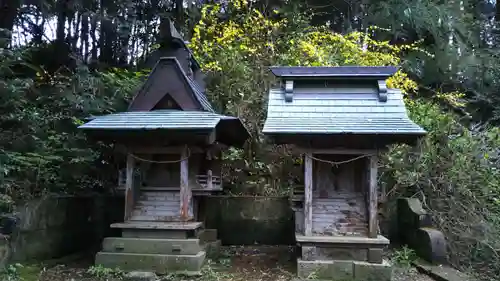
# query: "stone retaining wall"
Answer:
x=248 y=220
x=52 y=227
x=60 y=225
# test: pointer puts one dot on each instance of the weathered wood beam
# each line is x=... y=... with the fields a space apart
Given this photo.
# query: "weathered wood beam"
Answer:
x=308 y=189
x=339 y=151
x=212 y=137
x=186 y=195
x=129 y=187
x=214 y=147
x=157 y=149
x=372 y=198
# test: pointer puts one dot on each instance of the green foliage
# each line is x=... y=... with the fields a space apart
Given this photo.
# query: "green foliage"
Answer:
x=454 y=172
x=100 y=271
x=403 y=257
x=6 y=203
x=236 y=52
x=41 y=148
x=12 y=273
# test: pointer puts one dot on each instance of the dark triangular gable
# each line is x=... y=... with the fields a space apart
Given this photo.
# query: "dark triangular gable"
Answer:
x=168 y=78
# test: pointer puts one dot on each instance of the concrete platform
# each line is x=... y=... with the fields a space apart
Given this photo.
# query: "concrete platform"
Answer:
x=342 y=248
x=380 y=240
x=161 y=264
x=207 y=235
x=344 y=270
x=159 y=230
x=158 y=225
x=152 y=246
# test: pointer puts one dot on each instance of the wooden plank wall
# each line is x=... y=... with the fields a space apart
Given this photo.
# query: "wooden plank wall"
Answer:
x=339 y=206
x=157 y=206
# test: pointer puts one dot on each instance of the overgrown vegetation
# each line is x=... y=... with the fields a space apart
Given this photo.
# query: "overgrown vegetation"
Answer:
x=453 y=170
x=41 y=150
x=448 y=53
x=102 y=272
x=19 y=272
x=403 y=257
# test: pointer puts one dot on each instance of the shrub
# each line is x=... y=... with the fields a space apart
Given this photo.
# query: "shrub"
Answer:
x=454 y=172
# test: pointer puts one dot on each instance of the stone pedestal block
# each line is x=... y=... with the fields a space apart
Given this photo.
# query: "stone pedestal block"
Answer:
x=161 y=264
x=364 y=271
x=329 y=270
x=344 y=270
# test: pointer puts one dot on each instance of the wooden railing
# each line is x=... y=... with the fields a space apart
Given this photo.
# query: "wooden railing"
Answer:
x=209 y=182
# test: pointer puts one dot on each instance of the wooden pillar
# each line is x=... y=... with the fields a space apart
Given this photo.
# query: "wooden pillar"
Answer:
x=308 y=186
x=186 y=196
x=209 y=171
x=372 y=198
x=129 y=187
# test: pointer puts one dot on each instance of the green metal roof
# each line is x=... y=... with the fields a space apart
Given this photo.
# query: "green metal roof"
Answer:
x=345 y=109
x=156 y=119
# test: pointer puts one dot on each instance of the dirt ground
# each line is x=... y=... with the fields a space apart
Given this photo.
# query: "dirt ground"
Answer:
x=256 y=263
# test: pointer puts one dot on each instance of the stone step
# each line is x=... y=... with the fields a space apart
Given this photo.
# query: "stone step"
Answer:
x=161 y=264
x=343 y=270
x=159 y=230
x=316 y=240
x=159 y=225
x=207 y=235
x=152 y=246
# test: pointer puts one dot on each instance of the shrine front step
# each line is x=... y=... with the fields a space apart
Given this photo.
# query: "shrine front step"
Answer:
x=158 y=263
x=342 y=248
x=341 y=270
x=152 y=246
x=159 y=230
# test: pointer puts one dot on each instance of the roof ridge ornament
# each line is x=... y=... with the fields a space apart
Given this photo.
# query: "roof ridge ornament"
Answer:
x=288 y=90
x=382 y=90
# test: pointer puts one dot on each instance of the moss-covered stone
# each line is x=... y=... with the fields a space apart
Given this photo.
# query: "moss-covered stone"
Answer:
x=364 y=271
x=161 y=264
x=328 y=270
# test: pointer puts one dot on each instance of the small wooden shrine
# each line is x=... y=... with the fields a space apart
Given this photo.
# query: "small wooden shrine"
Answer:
x=171 y=141
x=340 y=118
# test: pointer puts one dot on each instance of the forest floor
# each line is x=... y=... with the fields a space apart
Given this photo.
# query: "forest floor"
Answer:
x=254 y=263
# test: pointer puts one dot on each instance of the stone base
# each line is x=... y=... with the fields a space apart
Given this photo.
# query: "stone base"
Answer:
x=140 y=276
x=159 y=230
x=343 y=248
x=212 y=249
x=207 y=235
x=151 y=246
x=161 y=264
x=342 y=270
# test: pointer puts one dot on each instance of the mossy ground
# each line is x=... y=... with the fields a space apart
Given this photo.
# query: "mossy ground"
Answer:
x=248 y=263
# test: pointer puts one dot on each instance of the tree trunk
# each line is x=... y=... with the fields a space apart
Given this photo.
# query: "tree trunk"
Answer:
x=179 y=12
x=84 y=37
x=497 y=12
x=8 y=14
x=62 y=14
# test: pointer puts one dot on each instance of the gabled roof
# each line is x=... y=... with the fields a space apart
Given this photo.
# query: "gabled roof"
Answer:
x=168 y=77
x=230 y=129
x=174 y=35
x=339 y=108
